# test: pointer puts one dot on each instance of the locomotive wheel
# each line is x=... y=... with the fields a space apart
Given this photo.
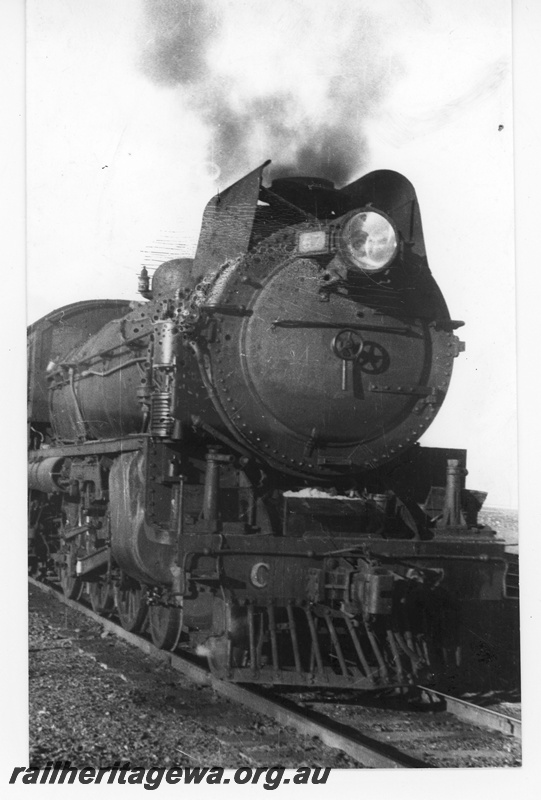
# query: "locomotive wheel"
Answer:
x=101 y=597
x=228 y=644
x=72 y=585
x=165 y=624
x=131 y=607
x=219 y=656
x=100 y=590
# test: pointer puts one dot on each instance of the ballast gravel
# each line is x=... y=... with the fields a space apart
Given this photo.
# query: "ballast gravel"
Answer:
x=95 y=699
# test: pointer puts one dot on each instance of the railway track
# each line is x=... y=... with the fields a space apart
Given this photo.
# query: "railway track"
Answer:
x=374 y=738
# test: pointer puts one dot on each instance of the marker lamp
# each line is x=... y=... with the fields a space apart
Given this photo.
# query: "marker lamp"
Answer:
x=312 y=242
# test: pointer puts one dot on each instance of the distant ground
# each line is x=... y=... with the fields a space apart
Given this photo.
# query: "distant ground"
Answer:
x=502 y=520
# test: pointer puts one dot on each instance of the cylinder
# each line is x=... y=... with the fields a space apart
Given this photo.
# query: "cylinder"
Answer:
x=44 y=476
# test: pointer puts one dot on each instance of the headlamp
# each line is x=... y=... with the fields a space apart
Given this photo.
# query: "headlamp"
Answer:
x=368 y=240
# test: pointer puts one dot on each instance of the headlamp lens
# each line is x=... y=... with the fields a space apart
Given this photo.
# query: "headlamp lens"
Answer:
x=369 y=240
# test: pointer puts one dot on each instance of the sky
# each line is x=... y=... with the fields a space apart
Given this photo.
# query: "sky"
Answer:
x=91 y=108
x=138 y=113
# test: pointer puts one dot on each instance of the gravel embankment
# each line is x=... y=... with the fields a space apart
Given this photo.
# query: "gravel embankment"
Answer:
x=95 y=700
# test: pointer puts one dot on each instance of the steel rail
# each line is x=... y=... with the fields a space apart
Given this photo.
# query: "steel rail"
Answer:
x=367 y=751
x=479 y=715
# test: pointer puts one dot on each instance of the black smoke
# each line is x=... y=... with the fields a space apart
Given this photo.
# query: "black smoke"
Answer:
x=179 y=35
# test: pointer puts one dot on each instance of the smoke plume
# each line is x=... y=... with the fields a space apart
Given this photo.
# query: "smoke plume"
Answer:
x=292 y=80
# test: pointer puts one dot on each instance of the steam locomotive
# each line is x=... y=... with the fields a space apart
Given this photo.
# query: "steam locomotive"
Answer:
x=232 y=462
